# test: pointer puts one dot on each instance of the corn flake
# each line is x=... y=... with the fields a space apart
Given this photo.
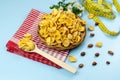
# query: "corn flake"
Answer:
x=72 y=58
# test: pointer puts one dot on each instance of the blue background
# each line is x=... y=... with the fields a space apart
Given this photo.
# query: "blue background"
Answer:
x=14 y=67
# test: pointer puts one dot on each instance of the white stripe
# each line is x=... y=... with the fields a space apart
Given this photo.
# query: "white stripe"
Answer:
x=31 y=30
x=58 y=56
x=14 y=40
x=45 y=50
x=50 y=52
x=63 y=58
x=54 y=54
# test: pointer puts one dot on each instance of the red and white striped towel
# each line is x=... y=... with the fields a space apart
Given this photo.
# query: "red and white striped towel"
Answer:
x=30 y=25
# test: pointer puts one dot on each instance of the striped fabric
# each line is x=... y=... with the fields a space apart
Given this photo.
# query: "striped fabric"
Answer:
x=30 y=25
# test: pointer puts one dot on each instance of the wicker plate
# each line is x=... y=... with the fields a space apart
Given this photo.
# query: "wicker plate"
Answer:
x=60 y=45
x=71 y=46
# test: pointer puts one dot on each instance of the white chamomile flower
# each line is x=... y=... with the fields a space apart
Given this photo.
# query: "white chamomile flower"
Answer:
x=80 y=14
x=60 y=8
x=82 y=8
x=69 y=8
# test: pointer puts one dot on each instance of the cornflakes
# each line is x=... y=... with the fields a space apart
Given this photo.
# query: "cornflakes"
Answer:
x=72 y=58
x=26 y=43
x=61 y=28
x=90 y=16
x=91 y=28
x=99 y=44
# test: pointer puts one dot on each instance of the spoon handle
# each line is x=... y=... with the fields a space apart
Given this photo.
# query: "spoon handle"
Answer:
x=55 y=60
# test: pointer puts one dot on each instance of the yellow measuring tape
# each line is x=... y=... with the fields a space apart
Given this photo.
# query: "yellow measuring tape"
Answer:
x=117 y=5
x=102 y=8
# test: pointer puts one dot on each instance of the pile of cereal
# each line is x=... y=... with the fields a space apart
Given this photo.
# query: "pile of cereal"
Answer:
x=26 y=43
x=62 y=30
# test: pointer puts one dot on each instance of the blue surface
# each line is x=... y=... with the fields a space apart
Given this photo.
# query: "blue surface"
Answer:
x=14 y=67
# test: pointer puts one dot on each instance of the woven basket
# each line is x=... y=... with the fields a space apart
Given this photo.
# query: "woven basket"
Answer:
x=71 y=46
x=61 y=47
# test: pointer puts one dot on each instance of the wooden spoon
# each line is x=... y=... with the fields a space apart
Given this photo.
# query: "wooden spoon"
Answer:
x=53 y=59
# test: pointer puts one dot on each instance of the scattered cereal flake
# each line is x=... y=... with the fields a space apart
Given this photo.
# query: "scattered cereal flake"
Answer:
x=99 y=44
x=91 y=28
x=72 y=58
x=90 y=16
